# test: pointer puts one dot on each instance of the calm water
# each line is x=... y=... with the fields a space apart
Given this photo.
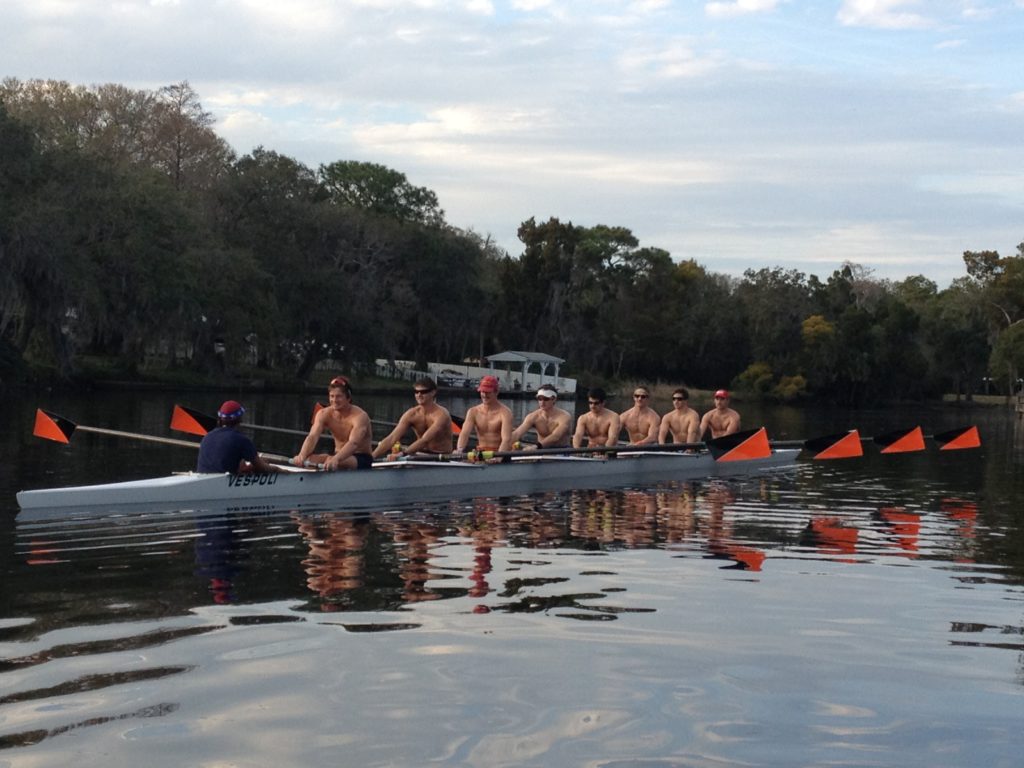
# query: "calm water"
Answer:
x=859 y=613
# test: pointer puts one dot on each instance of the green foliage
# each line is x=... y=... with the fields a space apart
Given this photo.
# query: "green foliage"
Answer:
x=790 y=388
x=130 y=230
x=757 y=379
x=1008 y=354
x=380 y=191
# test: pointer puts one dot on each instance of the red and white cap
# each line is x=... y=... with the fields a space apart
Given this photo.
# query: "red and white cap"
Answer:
x=723 y=393
x=488 y=384
x=230 y=410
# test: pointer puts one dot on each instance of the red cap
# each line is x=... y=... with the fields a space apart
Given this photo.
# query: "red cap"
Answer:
x=722 y=393
x=230 y=410
x=488 y=384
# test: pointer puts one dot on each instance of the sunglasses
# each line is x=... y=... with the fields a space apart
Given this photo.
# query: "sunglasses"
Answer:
x=422 y=391
x=677 y=397
x=639 y=396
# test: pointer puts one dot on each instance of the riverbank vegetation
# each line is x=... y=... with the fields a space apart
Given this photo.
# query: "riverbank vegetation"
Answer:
x=135 y=242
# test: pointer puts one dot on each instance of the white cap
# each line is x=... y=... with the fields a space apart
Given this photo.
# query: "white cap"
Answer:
x=547 y=392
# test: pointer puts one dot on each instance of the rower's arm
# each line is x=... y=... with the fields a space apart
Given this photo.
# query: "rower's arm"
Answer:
x=652 y=431
x=693 y=432
x=525 y=427
x=663 y=429
x=442 y=426
x=734 y=424
x=506 y=431
x=396 y=434
x=357 y=436
x=614 y=427
x=581 y=432
x=557 y=435
x=705 y=423
x=264 y=466
x=309 y=444
x=468 y=427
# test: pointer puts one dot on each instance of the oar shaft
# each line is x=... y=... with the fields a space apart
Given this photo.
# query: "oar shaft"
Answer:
x=272 y=457
x=137 y=436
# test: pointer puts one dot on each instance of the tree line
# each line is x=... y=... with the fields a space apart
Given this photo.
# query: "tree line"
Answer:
x=130 y=231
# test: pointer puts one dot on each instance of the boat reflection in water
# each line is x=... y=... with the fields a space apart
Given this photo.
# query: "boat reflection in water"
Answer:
x=496 y=551
x=729 y=591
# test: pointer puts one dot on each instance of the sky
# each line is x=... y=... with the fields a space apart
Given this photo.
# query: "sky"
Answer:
x=742 y=134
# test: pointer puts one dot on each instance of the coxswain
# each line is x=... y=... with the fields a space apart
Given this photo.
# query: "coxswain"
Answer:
x=225 y=449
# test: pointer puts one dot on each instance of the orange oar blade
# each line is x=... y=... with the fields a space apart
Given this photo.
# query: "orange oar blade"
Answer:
x=845 y=445
x=741 y=446
x=317 y=407
x=195 y=423
x=959 y=439
x=53 y=427
x=457 y=422
x=902 y=441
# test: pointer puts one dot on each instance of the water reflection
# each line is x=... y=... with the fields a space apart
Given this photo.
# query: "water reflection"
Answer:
x=387 y=559
x=178 y=585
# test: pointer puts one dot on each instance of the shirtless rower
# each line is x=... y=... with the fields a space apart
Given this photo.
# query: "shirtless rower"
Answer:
x=431 y=423
x=641 y=421
x=348 y=424
x=721 y=420
x=490 y=421
x=682 y=423
x=551 y=423
x=598 y=426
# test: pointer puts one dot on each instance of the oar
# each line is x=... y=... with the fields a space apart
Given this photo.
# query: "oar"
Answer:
x=50 y=426
x=849 y=444
x=754 y=444
x=184 y=419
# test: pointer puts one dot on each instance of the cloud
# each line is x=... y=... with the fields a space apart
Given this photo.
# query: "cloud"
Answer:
x=675 y=60
x=530 y=5
x=739 y=7
x=882 y=14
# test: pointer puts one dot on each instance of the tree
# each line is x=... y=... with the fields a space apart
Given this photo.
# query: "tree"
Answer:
x=187 y=149
x=1008 y=355
x=380 y=191
x=775 y=303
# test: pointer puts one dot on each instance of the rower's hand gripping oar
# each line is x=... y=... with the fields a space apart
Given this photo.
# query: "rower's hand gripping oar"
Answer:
x=50 y=426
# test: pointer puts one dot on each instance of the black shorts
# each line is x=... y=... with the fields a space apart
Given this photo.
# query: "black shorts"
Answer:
x=363 y=460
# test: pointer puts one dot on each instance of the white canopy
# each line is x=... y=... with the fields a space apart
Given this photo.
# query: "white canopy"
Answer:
x=526 y=359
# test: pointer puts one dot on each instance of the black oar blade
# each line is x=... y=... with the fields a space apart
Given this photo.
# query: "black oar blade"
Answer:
x=193 y=422
x=844 y=445
x=958 y=439
x=902 y=441
x=741 y=446
x=50 y=426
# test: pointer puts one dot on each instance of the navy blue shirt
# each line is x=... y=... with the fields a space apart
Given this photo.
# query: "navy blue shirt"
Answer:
x=223 y=449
